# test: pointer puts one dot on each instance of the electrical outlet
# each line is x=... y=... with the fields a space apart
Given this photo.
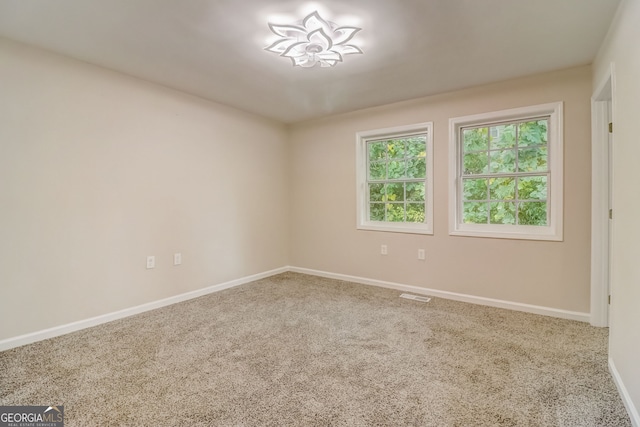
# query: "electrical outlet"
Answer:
x=151 y=262
x=177 y=259
x=421 y=254
x=383 y=249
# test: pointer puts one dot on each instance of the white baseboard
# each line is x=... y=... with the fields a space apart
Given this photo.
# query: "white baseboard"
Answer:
x=9 y=343
x=545 y=311
x=624 y=394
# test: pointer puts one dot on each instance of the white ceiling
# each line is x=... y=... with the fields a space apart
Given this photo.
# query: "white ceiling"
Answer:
x=413 y=48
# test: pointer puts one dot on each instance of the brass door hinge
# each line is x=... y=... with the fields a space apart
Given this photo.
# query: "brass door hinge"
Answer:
x=609 y=299
x=610 y=127
x=610 y=213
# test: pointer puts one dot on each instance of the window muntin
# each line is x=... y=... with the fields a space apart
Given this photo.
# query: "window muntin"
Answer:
x=397 y=169
x=506 y=174
x=394 y=168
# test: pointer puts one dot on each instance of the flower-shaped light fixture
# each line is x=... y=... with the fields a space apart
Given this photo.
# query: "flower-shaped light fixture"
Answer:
x=313 y=41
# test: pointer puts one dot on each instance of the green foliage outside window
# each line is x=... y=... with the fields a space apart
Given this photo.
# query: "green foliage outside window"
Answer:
x=505 y=174
x=396 y=179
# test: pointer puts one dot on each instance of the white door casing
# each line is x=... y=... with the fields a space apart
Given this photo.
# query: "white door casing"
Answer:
x=602 y=113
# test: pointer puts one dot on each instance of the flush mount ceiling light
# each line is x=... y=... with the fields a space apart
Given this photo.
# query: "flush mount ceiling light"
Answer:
x=313 y=41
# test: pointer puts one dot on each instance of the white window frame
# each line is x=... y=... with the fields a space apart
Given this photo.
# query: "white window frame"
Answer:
x=553 y=231
x=362 y=193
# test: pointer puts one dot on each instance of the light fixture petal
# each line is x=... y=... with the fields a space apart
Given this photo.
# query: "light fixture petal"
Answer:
x=348 y=49
x=320 y=38
x=287 y=30
x=344 y=34
x=326 y=64
x=295 y=50
x=313 y=21
x=305 y=61
x=330 y=55
x=280 y=45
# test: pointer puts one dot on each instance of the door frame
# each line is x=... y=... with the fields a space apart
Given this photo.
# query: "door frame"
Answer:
x=602 y=113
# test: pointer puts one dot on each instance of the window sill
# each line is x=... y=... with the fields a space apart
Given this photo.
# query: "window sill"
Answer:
x=396 y=228
x=511 y=232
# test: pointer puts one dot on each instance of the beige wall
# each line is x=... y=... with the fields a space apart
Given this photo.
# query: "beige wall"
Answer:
x=323 y=233
x=99 y=170
x=622 y=49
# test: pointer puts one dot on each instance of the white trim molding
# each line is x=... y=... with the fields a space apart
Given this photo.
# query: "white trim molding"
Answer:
x=554 y=230
x=509 y=305
x=18 y=341
x=600 y=197
x=362 y=169
x=624 y=395
x=56 y=331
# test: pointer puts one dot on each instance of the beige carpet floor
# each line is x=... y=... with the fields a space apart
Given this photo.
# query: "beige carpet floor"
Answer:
x=297 y=350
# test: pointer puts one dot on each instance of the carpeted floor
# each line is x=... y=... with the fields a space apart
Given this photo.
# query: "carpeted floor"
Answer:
x=297 y=350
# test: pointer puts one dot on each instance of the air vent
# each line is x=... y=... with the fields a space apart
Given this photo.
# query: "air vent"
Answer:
x=415 y=297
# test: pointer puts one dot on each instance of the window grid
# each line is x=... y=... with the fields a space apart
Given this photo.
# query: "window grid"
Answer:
x=385 y=204
x=394 y=186
x=492 y=134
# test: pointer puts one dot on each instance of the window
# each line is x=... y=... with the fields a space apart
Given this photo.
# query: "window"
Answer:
x=395 y=179
x=506 y=174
